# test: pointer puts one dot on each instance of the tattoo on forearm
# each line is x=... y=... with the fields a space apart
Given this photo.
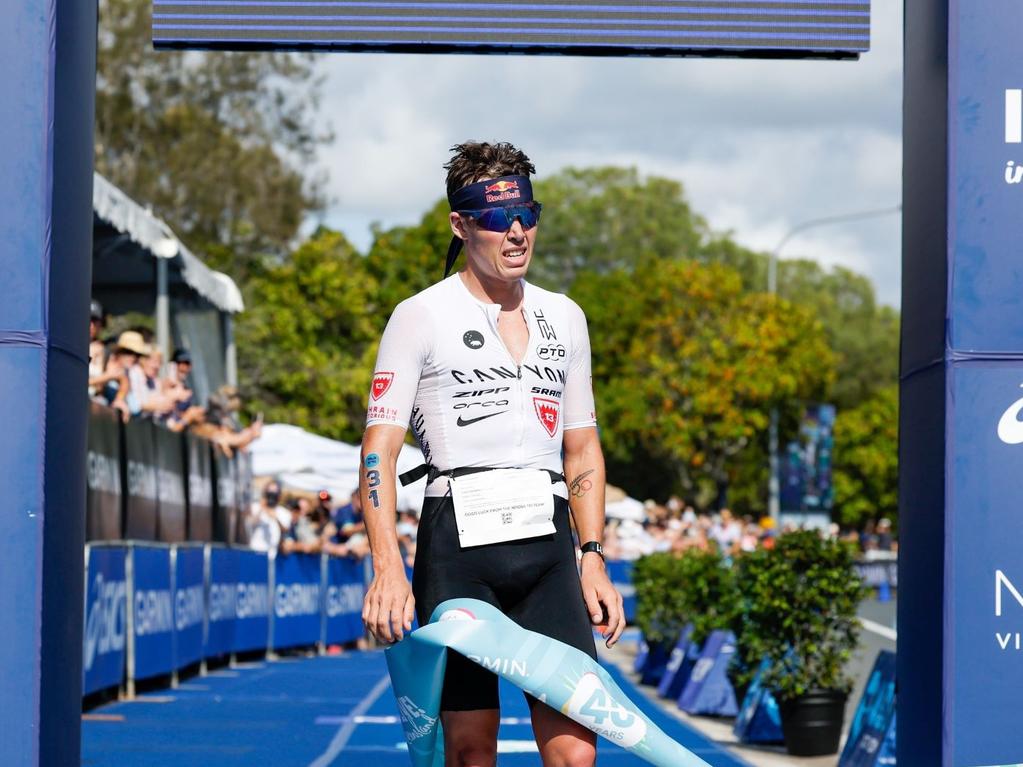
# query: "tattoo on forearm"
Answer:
x=580 y=485
x=373 y=481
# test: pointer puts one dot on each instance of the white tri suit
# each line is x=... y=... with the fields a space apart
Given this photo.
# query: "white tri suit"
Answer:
x=444 y=371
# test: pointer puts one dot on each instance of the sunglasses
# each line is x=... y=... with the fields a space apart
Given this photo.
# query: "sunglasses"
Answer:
x=501 y=219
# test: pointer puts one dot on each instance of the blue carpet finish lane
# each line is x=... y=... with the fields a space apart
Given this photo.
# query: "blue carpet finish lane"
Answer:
x=330 y=711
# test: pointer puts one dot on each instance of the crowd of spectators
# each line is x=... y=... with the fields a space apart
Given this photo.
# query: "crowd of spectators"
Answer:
x=126 y=372
x=298 y=522
x=677 y=526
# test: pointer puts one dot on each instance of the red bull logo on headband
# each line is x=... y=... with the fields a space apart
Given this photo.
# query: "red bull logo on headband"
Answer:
x=502 y=190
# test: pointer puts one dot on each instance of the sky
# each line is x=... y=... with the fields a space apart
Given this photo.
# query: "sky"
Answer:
x=760 y=146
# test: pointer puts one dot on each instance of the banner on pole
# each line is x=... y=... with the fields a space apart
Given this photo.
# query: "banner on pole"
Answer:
x=342 y=614
x=296 y=615
x=151 y=639
x=189 y=604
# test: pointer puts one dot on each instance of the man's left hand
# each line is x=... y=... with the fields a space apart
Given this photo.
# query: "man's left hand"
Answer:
x=602 y=599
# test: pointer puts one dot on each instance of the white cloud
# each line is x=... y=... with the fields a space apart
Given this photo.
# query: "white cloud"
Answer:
x=760 y=146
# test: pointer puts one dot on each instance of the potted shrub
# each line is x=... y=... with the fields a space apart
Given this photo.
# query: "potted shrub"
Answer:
x=800 y=613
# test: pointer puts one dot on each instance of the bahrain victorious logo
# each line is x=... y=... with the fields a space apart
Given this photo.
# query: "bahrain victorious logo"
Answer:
x=547 y=411
x=381 y=383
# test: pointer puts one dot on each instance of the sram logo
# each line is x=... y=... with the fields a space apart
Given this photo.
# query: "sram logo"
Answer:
x=591 y=704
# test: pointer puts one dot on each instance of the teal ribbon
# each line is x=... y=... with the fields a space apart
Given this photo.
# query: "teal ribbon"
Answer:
x=563 y=677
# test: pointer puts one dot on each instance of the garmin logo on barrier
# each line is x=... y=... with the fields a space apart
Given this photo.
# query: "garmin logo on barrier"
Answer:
x=225 y=491
x=105 y=623
x=253 y=600
x=223 y=601
x=154 y=612
x=172 y=489
x=1010 y=639
x=188 y=607
x=200 y=490
x=103 y=473
x=297 y=599
x=141 y=480
x=344 y=599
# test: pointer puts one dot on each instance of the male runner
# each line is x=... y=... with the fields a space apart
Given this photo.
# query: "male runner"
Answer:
x=491 y=372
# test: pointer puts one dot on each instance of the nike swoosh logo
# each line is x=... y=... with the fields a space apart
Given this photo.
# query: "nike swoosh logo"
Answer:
x=465 y=422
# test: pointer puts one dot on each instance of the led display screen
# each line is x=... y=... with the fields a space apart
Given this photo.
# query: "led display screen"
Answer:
x=763 y=28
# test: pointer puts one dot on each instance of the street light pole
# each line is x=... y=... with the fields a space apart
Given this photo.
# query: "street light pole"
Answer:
x=773 y=485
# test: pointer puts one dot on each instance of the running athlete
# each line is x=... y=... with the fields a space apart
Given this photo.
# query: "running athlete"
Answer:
x=493 y=376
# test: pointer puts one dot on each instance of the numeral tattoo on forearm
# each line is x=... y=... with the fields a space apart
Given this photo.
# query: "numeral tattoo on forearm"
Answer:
x=580 y=485
x=373 y=481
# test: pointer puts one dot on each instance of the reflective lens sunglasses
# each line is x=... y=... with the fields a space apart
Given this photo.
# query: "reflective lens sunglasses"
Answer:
x=501 y=219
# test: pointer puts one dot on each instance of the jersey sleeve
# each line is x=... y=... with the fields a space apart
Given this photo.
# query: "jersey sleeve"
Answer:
x=403 y=354
x=580 y=411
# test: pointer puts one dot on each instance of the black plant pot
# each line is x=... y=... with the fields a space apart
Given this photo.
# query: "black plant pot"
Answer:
x=812 y=723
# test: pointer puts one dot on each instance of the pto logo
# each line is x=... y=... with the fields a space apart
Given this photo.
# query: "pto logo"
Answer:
x=592 y=705
x=547 y=411
x=381 y=383
x=1010 y=428
x=414 y=719
x=502 y=190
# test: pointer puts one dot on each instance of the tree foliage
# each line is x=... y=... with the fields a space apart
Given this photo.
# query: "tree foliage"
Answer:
x=687 y=366
x=218 y=144
x=309 y=339
x=598 y=220
x=866 y=459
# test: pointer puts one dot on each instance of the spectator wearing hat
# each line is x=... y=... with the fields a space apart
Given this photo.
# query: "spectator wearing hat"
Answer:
x=97 y=350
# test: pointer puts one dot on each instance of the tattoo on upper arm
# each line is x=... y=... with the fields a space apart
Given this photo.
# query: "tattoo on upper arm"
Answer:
x=372 y=460
x=580 y=485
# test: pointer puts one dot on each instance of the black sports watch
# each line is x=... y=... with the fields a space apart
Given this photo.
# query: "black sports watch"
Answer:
x=593 y=546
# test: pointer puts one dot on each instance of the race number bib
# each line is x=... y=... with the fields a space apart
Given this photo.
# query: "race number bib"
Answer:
x=503 y=505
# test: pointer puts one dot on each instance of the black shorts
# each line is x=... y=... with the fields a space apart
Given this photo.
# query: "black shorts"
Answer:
x=535 y=582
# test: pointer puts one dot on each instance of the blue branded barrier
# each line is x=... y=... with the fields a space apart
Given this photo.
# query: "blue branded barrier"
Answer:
x=189 y=604
x=872 y=725
x=252 y=605
x=655 y=662
x=106 y=618
x=151 y=617
x=683 y=657
x=709 y=690
x=759 y=719
x=620 y=573
x=342 y=613
x=221 y=599
x=296 y=618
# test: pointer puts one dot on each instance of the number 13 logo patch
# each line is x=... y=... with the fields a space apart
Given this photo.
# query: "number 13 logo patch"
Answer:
x=547 y=410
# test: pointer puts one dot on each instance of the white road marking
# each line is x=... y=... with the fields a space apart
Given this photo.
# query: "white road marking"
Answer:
x=877 y=628
x=503 y=747
x=341 y=738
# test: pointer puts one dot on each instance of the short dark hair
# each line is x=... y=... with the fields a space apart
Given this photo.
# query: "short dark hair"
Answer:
x=478 y=160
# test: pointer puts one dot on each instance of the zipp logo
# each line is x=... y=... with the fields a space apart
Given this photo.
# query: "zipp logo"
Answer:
x=1010 y=428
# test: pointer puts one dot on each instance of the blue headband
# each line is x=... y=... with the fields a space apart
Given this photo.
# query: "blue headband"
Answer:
x=491 y=193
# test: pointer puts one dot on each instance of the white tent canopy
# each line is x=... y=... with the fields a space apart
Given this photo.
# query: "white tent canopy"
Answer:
x=305 y=461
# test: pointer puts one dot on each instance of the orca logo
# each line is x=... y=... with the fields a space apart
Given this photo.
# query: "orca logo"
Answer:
x=473 y=339
x=1010 y=428
x=416 y=721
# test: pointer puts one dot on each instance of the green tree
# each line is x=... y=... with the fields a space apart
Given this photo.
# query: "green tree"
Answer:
x=866 y=459
x=687 y=367
x=864 y=335
x=598 y=220
x=407 y=259
x=309 y=339
x=220 y=145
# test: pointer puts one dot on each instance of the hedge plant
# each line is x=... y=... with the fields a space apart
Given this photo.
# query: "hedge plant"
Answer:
x=801 y=599
x=695 y=587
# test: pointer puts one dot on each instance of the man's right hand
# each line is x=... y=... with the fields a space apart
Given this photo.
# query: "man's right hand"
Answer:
x=389 y=606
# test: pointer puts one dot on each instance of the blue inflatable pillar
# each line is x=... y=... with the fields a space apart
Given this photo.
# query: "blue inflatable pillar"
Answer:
x=48 y=57
x=960 y=609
